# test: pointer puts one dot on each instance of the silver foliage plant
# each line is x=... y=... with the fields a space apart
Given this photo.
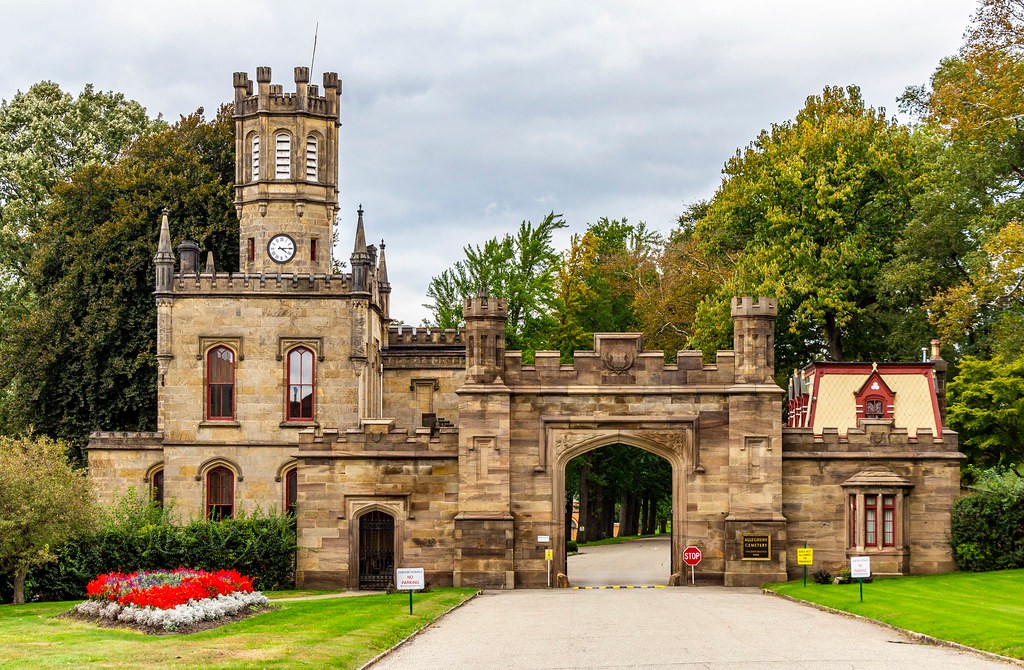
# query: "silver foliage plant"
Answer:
x=181 y=616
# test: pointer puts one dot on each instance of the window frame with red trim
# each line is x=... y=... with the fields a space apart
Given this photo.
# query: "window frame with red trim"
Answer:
x=220 y=384
x=301 y=385
x=220 y=493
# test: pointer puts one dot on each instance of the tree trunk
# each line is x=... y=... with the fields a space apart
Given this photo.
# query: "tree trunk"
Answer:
x=19 y=586
x=834 y=335
x=607 y=514
x=651 y=517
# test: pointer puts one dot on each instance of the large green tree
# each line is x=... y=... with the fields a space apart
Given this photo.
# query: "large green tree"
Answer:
x=44 y=501
x=598 y=280
x=520 y=268
x=986 y=406
x=82 y=358
x=46 y=135
x=813 y=208
x=973 y=107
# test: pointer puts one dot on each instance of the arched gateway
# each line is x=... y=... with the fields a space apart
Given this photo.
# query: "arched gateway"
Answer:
x=438 y=449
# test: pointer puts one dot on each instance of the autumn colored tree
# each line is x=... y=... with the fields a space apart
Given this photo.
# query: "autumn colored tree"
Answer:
x=83 y=357
x=44 y=501
x=598 y=280
x=812 y=209
x=957 y=243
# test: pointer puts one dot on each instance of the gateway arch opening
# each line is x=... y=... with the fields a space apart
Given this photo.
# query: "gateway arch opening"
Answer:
x=618 y=514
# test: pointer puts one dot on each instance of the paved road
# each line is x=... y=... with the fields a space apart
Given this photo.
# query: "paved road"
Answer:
x=681 y=627
x=637 y=563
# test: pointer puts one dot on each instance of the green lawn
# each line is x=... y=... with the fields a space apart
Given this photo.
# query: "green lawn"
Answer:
x=331 y=633
x=618 y=540
x=984 y=610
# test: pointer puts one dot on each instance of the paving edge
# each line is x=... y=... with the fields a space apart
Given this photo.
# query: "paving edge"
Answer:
x=913 y=635
x=415 y=634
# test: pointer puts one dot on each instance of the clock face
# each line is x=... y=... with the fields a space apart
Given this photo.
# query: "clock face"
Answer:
x=281 y=248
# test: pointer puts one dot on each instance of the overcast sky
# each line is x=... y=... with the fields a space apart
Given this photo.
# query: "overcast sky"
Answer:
x=461 y=119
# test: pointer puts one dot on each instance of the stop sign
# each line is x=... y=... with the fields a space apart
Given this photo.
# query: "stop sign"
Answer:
x=691 y=555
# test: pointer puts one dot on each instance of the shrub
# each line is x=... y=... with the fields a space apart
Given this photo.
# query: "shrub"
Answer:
x=571 y=547
x=140 y=536
x=822 y=576
x=987 y=530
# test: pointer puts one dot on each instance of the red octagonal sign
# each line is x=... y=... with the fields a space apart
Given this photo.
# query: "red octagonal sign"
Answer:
x=691 y=555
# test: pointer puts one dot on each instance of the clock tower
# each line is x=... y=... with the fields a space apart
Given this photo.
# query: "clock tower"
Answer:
x=286 y=174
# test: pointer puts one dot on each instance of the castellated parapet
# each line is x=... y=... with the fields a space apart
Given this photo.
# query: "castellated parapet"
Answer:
x=254 y=283
x=767 y=308
x=270 y=97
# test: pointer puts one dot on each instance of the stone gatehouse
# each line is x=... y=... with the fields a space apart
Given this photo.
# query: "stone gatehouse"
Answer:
x=286 y=384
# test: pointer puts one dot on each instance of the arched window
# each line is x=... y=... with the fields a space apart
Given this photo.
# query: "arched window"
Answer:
x=220 y=493
x=874 y=408
x=156 y=487
x=312 y=166
x=291 y=484
x=220 y=384
x=300 y=384
x=283 y=158
x=255 y=176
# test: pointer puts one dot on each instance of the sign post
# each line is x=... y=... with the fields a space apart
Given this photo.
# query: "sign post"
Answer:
x=860 y=567
x=805 y=557
x=692 y=556
x=549 y=555
x=409 y=579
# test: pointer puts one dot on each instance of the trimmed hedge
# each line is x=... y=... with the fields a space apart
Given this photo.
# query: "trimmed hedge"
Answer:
x=988 y=527
x=140 y=537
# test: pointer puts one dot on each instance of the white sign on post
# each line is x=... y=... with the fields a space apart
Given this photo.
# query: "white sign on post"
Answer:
x=409 y=579
x=860 y=567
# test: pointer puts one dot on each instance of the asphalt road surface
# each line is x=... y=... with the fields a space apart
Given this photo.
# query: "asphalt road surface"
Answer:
x=676 y=627
x=644 y=562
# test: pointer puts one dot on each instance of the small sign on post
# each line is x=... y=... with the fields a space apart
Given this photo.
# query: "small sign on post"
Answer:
x=692 y=556
x=805 y=557
x=549 y=555
x=860 y=569
x=409 y=579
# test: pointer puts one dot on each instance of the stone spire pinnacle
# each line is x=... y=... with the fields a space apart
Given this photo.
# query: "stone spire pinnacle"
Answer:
x=164 y=247
x=360 y=245
x=360 y=260
x=164 y=259
x=382 y=270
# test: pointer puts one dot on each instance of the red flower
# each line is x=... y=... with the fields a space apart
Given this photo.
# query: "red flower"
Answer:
x=166 y=590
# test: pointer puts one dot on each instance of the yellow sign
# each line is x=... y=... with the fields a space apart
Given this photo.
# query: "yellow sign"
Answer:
x=549 y=554
x=804 y=556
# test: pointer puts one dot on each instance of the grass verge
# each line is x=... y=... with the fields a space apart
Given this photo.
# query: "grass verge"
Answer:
x=332 y=633
x=983 y=610
x=618 y=540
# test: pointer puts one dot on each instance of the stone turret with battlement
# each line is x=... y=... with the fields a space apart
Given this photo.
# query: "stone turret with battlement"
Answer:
x=286 y=172
x=485 y=337
x=754 y=339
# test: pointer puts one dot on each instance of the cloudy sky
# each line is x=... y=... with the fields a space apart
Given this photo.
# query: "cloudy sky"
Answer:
x=461 y=119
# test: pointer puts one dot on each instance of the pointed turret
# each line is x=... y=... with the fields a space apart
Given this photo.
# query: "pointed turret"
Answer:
x=211 y=269
x=164 y=259
x=360 y=259
x=383 y=285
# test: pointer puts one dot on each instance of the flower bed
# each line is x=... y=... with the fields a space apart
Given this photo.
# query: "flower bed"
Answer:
x=169 y=600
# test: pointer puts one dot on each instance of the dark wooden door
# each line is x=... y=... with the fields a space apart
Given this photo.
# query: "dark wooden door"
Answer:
x=376 y=551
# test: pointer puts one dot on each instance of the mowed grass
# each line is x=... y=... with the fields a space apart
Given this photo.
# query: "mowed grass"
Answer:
x=329 y=633
x=984 y=610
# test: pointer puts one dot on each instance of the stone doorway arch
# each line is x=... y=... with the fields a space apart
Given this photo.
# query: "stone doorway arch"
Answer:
x=673 y=439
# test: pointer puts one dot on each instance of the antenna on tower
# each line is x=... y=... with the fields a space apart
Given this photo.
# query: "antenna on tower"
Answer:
x=313 y=58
